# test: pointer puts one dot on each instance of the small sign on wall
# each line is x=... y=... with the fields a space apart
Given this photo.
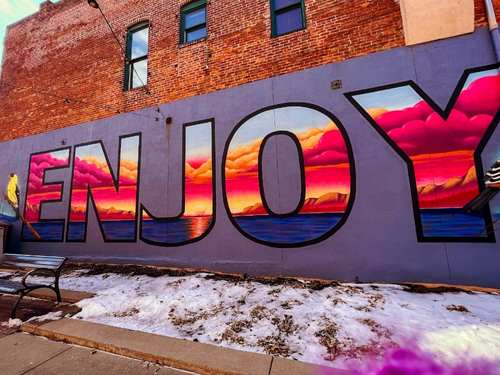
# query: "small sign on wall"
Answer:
x=428 y=20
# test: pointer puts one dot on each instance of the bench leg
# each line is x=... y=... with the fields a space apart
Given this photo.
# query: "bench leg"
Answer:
x=13 y=312
x=56 y=287
x=58 y=293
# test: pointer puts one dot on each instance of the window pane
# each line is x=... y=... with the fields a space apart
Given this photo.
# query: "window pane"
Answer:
x=279 y=4
x=289 y=21
x=139 y=71
x=194 y=18
x=139 y=43
x=196 y=34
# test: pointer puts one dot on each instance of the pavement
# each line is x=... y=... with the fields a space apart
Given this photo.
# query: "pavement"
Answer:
x=26 y=354
x=176 y=353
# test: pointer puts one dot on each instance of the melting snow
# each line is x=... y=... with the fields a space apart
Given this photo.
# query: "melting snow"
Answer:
x=332 y=326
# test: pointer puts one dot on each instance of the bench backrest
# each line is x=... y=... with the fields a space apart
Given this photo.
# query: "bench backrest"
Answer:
x=32 y=261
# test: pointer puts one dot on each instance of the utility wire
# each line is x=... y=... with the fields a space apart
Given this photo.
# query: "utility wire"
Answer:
x=126 y=58
x=69 y=100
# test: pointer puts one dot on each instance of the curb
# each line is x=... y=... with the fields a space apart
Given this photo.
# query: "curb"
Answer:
x=177 y=353
x=68 y=296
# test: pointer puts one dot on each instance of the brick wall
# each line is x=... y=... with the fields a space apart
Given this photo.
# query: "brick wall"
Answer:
x=61 y=66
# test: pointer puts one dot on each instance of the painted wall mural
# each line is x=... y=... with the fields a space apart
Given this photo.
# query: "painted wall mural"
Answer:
x=442 y=149
x=114 y=199
x=38 y=192
x=327 y=176
x=198 y=203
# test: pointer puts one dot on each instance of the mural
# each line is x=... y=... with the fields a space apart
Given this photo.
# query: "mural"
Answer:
x=327 y=176
x=198 y=206
x=39 y=192
x=114 y=199
x=442 y=149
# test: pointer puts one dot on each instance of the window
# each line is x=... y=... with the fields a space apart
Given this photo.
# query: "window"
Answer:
x=136 y=64
x=287 y=16
x=193 y=21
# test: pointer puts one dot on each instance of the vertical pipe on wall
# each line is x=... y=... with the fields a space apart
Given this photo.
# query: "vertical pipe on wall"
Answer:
x=493 y=25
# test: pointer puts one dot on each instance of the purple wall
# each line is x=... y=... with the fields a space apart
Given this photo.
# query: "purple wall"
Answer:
x=378 y=242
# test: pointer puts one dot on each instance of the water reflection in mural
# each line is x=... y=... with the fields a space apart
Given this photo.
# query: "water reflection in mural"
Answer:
x=39 y=192
x=114 y=199
x=197 y=214
x=440 y=148
x=327 y=178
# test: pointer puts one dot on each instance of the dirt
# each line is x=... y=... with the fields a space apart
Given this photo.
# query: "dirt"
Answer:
x=153 y=271
x=457 y=308
x=422 y=289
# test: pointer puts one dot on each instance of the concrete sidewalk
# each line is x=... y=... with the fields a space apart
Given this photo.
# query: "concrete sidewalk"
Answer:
x=172 y=352
x=22 y=353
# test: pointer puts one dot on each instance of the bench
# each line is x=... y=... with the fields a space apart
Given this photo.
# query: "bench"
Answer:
x=39 y=264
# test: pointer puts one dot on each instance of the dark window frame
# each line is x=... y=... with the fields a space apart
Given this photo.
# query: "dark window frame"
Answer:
x=186 y=9
x=129 y=61
x=275 y=12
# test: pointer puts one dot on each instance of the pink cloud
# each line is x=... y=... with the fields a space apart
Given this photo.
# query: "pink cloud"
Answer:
x=86 y=173
x=395 y=119
x=481 y=97
x=38 y=165
x=330 y=149
x=420 y=130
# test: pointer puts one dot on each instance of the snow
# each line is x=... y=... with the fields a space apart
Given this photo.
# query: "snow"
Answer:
x=55 y=315
x=12 y=323
x=335 y=326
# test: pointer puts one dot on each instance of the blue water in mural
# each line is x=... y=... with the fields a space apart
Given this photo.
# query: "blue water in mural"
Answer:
x=452 y=223
x=175 y=231
x=292 y=229
x=114 y=230
x=48 y=231
x=300 y=228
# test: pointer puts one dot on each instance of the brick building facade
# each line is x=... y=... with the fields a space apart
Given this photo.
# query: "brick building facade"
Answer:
x=62 y=67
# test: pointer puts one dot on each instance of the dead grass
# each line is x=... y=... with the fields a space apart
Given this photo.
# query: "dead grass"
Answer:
x=374 y=301
x=259 y=312
x=285 y=326
x=231 y=333
x=327 y=337
x=130 y=312
x=191 y=317
x=275 y=345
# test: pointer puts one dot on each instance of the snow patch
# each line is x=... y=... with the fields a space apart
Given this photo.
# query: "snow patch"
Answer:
x=336 y=326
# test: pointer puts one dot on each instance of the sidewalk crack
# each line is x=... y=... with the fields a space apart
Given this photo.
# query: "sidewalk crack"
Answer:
x=48 y=359
x=271 y=366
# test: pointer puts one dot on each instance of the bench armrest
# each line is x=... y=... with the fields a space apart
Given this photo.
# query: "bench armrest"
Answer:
x=35 y=271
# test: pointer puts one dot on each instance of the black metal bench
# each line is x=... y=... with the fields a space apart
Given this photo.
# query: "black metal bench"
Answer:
x=39 y=264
